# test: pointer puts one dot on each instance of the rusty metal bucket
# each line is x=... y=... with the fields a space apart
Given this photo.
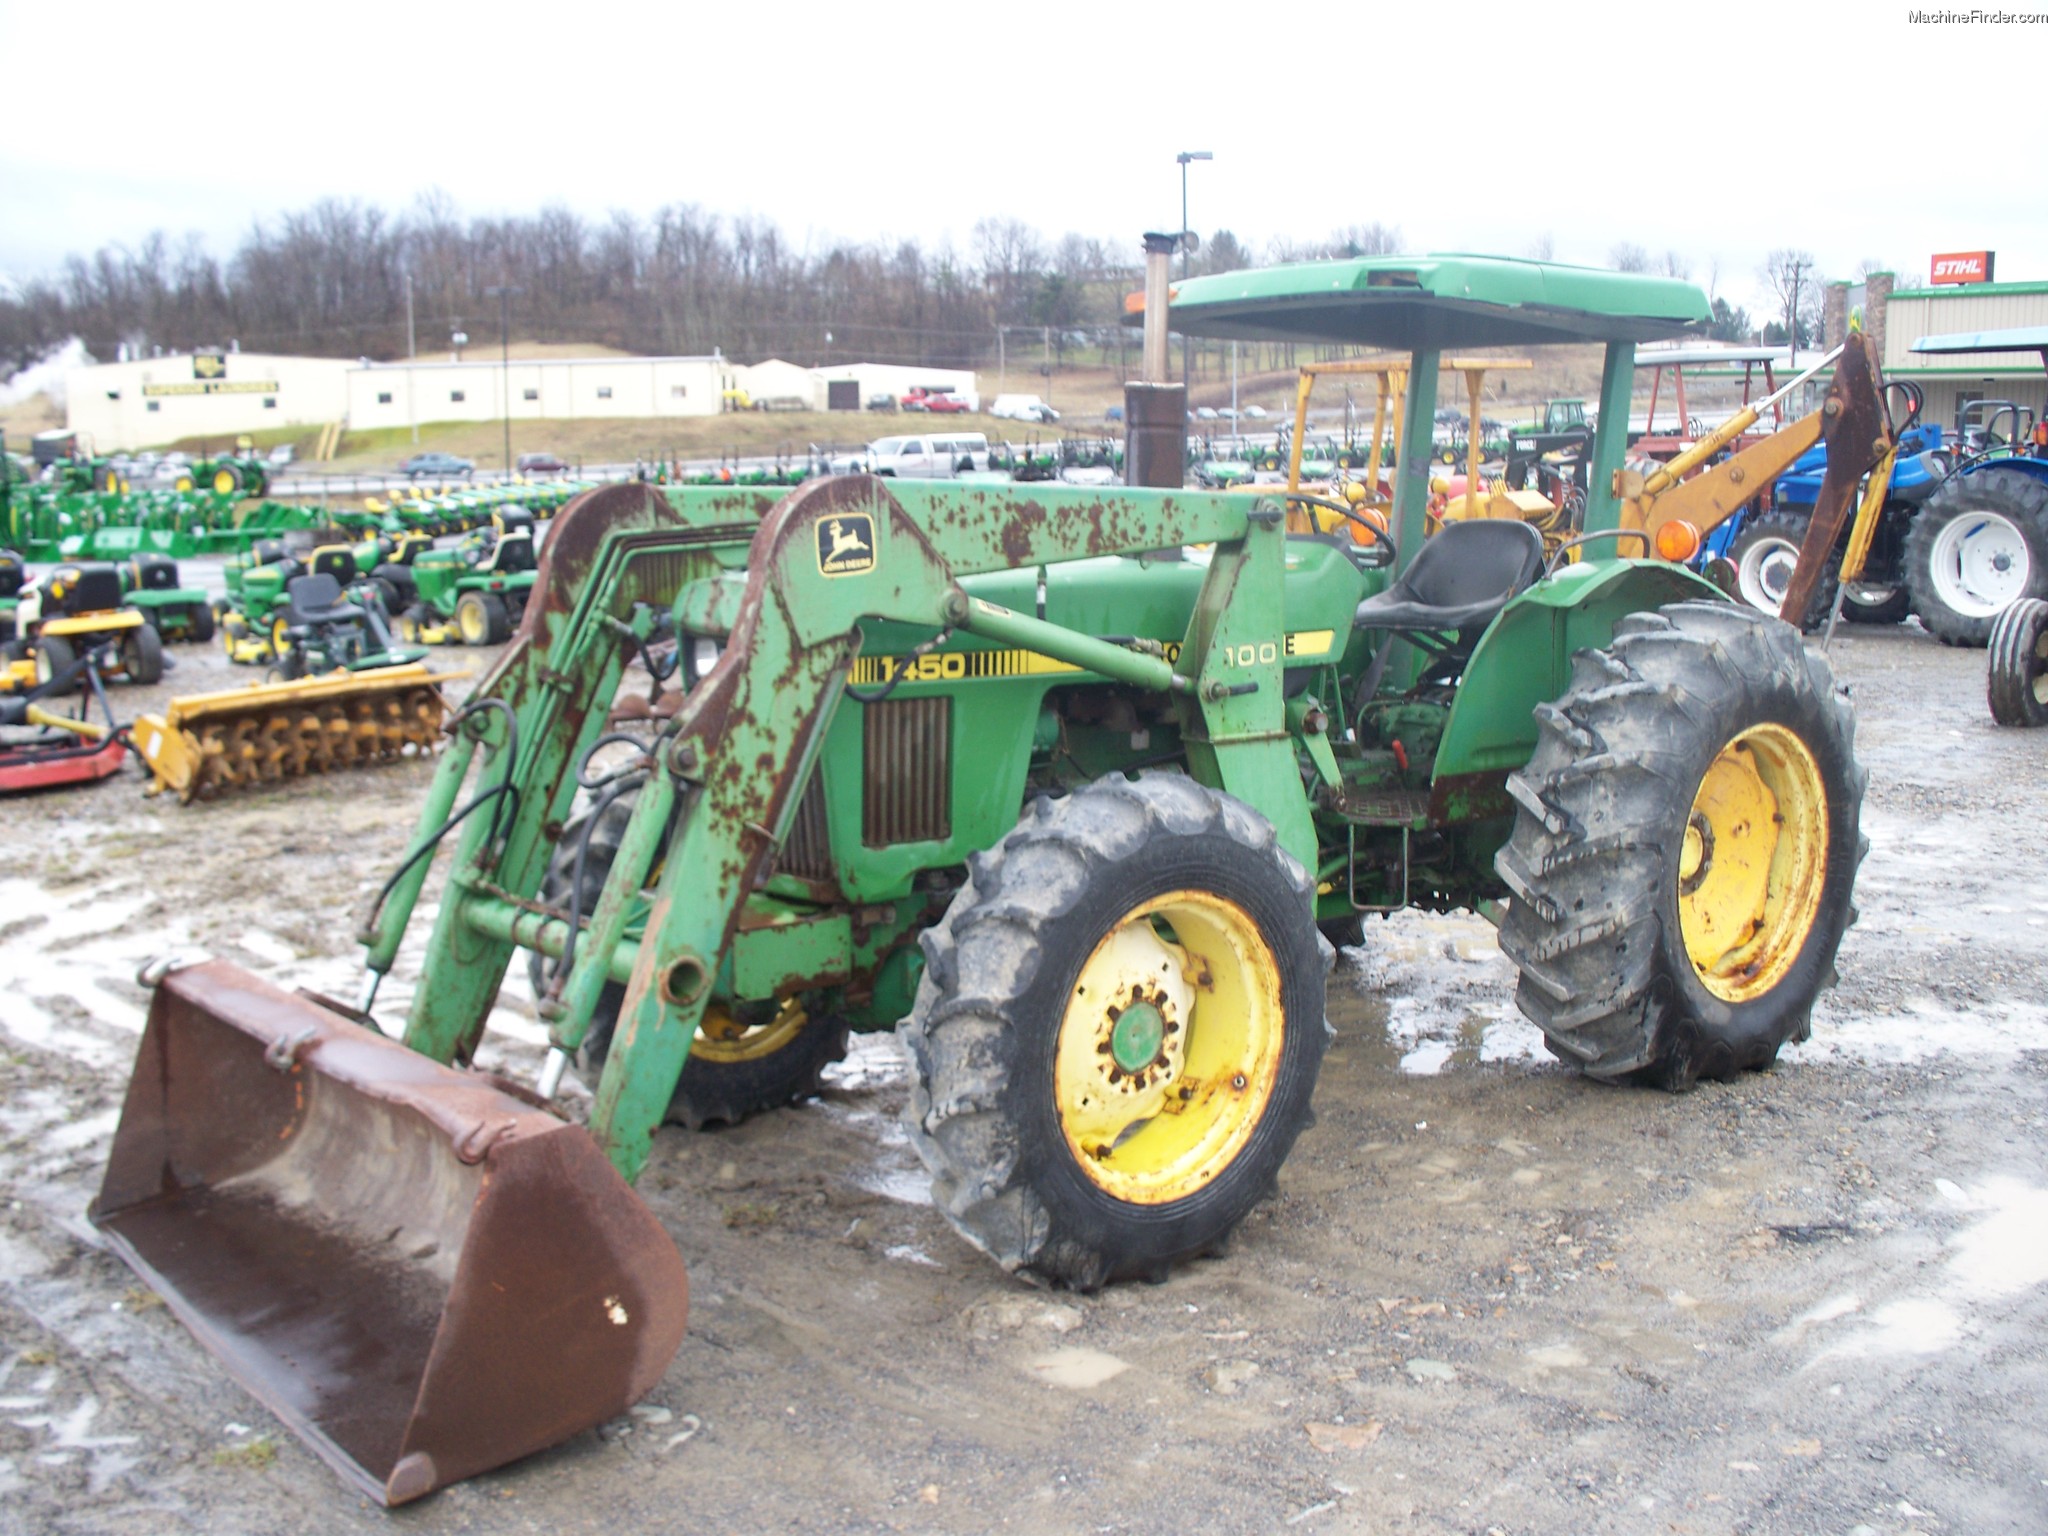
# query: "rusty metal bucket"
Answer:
x=424 y=1276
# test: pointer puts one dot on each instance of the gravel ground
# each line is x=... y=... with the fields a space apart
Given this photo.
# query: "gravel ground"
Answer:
x=1489 y=1297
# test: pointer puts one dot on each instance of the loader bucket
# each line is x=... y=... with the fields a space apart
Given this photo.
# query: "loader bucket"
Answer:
x=424 y=1276
x=241 y=737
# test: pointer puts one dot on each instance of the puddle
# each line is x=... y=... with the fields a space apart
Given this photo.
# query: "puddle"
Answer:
x=2001 y=1253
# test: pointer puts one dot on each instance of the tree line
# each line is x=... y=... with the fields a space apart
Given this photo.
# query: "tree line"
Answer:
x=333 y=280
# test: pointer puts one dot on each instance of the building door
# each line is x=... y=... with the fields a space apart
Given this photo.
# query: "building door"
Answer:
x=842 y=394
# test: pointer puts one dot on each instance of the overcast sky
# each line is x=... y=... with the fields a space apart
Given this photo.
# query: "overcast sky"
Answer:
x=1715 y=131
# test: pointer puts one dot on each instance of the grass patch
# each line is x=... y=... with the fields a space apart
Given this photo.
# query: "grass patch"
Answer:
x=750 y=1218
x=257 y=1455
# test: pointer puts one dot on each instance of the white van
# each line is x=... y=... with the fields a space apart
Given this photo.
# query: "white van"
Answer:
x=1023 y=408
x=928 y=455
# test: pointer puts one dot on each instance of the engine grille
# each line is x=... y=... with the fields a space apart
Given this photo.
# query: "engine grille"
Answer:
x=907 y=785
x=807 y=852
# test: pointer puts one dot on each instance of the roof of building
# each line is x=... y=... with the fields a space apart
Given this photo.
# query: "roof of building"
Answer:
x=1440 y=301
x=2022 y=338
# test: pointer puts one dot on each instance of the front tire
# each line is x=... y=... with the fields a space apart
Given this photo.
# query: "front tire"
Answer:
x=199 y=622
x=1685 y=848
x=1977 y=544
x=480 y=619
x=2018 y=671
x=1118 y=1031
x=142 y=655
x=1868 y=603
x=745 y=1058
x=1766 y=553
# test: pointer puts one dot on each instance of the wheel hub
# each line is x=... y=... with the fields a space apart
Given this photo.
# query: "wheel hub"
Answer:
x=1138 y=1033
x=1753 y=863
x=1169 y=1047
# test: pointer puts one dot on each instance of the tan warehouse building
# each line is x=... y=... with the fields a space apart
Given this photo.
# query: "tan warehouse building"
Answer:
x=216 y=395
x=220 y=395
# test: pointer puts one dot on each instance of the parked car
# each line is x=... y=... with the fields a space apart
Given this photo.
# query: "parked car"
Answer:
x=881 y=402
x=945 y=405
x=1254 y=412
x=281 y=455
x=542 y=464
x=1205 y=413
x=442 y=464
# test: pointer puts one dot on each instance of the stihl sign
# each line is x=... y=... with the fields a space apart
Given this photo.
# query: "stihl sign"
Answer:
x=1964 y=267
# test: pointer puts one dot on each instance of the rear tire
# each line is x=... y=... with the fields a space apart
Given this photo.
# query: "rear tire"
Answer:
x=1703 y=728
x=199 y=620
x=1977 y=544
x=748 y=1061
x=2018 y=671
x=1038 y=1104
x=53 y=653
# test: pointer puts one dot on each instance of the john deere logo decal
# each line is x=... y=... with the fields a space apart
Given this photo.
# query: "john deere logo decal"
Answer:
x=846 y=544
x=209 y=365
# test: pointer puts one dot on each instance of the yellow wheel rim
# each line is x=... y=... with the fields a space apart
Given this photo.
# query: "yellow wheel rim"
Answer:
x=1753 y=863
x=721 y=1037
x=279 y=644
x=223 y=482
x=1169 y=1048
x=469 y=618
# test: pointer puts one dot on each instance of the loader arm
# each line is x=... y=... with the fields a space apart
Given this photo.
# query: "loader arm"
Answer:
x=1851 y=420
x=739 y=749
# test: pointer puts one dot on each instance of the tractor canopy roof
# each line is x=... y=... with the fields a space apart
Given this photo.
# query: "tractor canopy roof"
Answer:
x=1410 y=303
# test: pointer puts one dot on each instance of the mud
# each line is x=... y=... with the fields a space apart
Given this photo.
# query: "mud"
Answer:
x=1488 y=1298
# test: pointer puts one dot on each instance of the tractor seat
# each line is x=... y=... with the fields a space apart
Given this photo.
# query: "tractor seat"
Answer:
x=514 y=554
x=315 y=600
x=1464 y=576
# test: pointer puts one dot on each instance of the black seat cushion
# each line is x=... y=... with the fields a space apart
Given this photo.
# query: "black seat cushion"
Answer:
x=514 y=554
x=316 y=599
x=1464 y=576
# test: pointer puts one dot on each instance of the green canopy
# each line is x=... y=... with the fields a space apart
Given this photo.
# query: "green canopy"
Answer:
x=1440 y=301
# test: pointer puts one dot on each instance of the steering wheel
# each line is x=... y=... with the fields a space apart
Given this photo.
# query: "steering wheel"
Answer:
x=1379 y=555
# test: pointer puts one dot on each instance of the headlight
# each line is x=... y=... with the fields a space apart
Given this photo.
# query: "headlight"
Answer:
x=704 y=655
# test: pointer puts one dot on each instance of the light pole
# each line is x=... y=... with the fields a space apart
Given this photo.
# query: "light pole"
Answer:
x=1183 y=158
x=503 y=293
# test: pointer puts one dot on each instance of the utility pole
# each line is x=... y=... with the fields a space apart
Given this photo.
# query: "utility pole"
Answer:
x=503 y=293
x=412 y=366
x=1792 y=319
x=1183 y=158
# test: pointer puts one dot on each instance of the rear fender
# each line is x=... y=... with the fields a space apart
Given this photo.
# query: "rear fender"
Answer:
x=1524 y=659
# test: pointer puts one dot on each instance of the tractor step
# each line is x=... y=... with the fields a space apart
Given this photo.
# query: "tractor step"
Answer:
x=1380 y=807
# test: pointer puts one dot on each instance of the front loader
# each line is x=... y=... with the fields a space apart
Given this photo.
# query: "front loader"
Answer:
x=1060 y=784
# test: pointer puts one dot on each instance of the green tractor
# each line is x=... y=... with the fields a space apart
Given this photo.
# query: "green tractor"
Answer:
x=1059 y=784
x=239 y=474
x=149 y=583
x=475 y=592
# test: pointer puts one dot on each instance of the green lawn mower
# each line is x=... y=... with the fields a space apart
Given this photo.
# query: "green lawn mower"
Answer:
x=149 y=584
x=474 y=593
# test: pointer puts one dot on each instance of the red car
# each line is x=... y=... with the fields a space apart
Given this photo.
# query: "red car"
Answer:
x=945 y=405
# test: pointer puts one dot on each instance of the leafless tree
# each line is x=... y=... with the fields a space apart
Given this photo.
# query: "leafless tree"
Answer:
x=1629 y=257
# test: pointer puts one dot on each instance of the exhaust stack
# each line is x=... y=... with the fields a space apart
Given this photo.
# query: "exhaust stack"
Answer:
x=1156 y=411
